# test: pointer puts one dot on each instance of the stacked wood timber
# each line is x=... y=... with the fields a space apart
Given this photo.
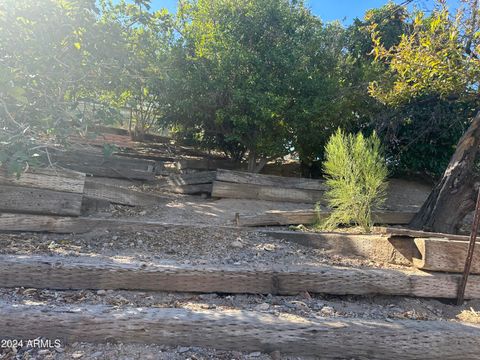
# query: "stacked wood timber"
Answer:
x=194 y=183
x=118 y=194
x=444 y=255
x=296 y=217
x=243 y=185
x=380 y=248
x=111 y=166
x=64 y=273
x=243 y=330
x=42 y=191
x=205 y=164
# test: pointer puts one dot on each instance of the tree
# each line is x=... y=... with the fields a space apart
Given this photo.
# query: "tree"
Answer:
x=140 y=41
x=437 y=60
x=258 y=78
x=47 y=58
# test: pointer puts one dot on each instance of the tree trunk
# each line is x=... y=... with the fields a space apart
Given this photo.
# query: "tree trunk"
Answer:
x=454 y=196
x=255 y=166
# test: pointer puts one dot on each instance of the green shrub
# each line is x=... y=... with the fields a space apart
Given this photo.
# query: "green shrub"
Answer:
x=355 y=173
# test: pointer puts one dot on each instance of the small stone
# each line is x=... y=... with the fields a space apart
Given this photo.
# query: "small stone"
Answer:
x=43 y=352
x=262 y=307
x=237 y=244
x=300 y=305
x=275 y=355
x=183 y=349
x=97 y=354
x=77 y=355
x=327 y=311
x=59 y=350
x=101 y=292
x=142 y=213
x=255 y=354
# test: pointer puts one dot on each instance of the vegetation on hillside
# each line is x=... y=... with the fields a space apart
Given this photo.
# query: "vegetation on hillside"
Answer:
x=355 y=173
x=255 y=79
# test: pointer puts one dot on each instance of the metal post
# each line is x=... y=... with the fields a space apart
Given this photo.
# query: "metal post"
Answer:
x=471 y=248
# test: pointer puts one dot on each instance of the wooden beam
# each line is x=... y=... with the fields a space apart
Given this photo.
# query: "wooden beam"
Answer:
x=276 y=217
x=392 y=250
x=204 y=164
x=195 y=183
x=119 y=195
x=87 y=273
x=262 y=192
x=122 y=183
x=39 y=201
x=82 y=225
x=395 y=231
x=240 y=177
x=189 y=189
x=200 y=177
x=444 y=255
x=49 y=179
x=241 y=330
x=112 y=166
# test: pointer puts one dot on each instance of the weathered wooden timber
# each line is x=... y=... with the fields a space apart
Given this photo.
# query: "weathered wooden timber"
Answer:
x=48 y=178
x=205 y=164
x=189 y=189
x=396 y=231
x=200 y=177
x=111 y=166
x=39 y=201
x=262 y=192
x=241 y=177
x=119 y=195
x=241 y=330
x=444 y=255
x=276 y=217
x=380 y=248
x=194 y=183
x=87 y=273
x=72 y=225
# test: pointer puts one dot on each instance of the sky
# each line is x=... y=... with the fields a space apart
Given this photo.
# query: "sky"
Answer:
x=329 y=10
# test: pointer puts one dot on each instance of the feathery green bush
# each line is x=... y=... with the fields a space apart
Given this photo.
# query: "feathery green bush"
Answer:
x=355 y=172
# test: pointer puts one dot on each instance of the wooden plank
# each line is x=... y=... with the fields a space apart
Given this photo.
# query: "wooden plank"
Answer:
x=194 y=183
x=242 y=330
x=241 y=177
x=49 y=179
x=189 y=189
x=205 y=164
x=276 y=217
x=82 y=225
x=91 y=206
x=444 y=255
x=200 y=177
x=393 y=250
x=122 y=183
x=39 y=201
x=395 y=231
x=112 y=166
x=119 y=195
x=90 y=273
x=262 y=192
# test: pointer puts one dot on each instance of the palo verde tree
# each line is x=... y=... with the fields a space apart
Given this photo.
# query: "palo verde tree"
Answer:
x=438 y=59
